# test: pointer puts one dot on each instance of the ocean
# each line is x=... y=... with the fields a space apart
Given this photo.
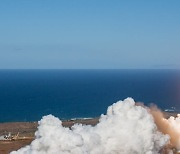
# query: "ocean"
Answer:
x=27 y=95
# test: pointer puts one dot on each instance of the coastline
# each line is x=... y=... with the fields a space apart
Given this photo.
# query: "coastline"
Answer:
x=27 y=129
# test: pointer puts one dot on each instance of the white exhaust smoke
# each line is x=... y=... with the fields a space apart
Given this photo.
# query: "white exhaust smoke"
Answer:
x=125 y=129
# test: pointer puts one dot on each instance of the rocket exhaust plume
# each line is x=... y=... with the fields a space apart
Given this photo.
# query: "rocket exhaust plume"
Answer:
x=169 y=126
x=125 y=129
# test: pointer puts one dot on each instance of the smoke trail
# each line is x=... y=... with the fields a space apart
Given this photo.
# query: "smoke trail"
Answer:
x=169 y=126
x=125 y=129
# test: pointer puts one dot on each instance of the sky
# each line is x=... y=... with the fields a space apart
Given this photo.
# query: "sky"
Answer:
x=89 y=34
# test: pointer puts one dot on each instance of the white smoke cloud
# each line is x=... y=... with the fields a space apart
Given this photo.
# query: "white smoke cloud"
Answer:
x=175 y=122
x=125 y=129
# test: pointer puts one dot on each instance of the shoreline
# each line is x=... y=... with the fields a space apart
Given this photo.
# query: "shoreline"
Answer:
x=27 y=130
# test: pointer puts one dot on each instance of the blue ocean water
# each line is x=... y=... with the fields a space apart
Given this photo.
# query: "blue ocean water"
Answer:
x=27 y=95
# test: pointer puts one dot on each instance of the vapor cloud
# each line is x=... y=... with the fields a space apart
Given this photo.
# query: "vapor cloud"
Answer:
x=125 y=129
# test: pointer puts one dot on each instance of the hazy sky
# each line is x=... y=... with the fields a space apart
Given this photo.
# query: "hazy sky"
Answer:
x=89 y=34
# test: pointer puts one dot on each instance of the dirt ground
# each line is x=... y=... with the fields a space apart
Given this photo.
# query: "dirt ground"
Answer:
x=27 y=129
